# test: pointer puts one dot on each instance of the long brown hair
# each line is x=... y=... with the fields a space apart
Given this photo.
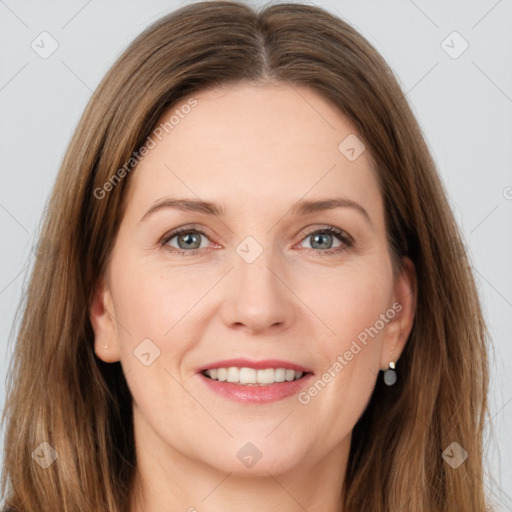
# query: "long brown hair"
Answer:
x=60 y=393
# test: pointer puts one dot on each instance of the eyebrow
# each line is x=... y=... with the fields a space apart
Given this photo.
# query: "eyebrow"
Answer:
x=303 y=207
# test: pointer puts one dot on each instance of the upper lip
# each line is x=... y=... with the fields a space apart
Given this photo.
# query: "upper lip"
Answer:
x=257 y=365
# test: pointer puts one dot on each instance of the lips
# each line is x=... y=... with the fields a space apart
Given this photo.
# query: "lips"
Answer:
x=257 y=365
x=256 y=394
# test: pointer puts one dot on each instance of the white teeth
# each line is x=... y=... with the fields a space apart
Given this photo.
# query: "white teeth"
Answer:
x=266 y=376
x=280 y=375
x=290 y=374
x=233 y=374
x=248 y=376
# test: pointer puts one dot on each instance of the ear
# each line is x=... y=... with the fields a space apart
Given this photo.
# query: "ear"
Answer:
x=404 y=305
x=102 y=316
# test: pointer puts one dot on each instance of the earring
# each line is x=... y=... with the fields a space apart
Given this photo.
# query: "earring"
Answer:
x=390 y=374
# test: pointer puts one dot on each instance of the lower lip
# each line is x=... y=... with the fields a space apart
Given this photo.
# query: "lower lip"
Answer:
x=257 y=393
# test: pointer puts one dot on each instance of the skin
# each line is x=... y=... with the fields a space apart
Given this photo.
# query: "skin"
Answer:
x=255 y=150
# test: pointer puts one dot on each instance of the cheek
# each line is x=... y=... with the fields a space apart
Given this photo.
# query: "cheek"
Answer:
x=152 y=302
x=167 y=306
x=350 y=300
x=152 y=311
x=352 y=306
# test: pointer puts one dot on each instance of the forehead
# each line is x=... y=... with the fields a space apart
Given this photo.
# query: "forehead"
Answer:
x=255 y=145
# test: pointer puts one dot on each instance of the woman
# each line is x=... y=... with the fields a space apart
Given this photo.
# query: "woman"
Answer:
x=248 y=226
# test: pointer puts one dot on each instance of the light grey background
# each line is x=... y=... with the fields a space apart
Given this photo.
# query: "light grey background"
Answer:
x=463 y=104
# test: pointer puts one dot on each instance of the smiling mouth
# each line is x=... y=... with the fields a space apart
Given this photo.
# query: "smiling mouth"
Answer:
x=251 y=377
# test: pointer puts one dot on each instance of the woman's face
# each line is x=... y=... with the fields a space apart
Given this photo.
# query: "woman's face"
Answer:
x=256 y=276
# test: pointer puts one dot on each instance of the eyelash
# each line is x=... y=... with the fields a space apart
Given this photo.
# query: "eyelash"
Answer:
x=347 y=241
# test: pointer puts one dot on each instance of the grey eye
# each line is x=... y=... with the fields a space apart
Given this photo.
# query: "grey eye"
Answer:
x=188 y=240
x=322 y=240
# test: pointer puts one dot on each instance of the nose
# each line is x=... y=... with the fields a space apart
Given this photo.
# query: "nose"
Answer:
x=259 y=299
